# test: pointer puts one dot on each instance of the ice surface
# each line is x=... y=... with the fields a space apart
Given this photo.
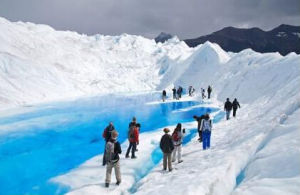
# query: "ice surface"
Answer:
x=256 y=153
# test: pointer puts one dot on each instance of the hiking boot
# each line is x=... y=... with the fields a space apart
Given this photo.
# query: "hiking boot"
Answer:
x=170 y=170
x=118 y=182
x=127 y=156
x=164 y=169
x=106 y=185
x=133 y=157
x=180 y=161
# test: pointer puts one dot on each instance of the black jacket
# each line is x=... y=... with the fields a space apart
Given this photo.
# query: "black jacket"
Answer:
x=174 y=91
x=166 y=143
x=235 y=104
x=209 y=90
x=228 y=106
x=164 y=93
x=131 y=124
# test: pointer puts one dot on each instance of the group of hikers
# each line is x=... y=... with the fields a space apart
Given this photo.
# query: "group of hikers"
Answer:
x=228 y=106
x=170 y=144
x=177 y=93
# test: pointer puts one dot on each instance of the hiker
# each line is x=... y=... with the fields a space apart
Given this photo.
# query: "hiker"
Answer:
x=167 y=146
x=193 y=91
x=190 y=90
x=228 y=108
x=206 y=126
x=174 y=92
x=209 y=89
x=199 y=120
x=107 y=135
x=133 y=137
x=164 y=95
x=179 y=92
x=113 y=149
x=177 y=137
x=133 y=122
x=203 y=93
x=235 y=106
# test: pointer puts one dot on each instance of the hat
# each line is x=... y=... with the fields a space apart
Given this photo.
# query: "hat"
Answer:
x=114 y=134
x=133 y=118
x=166 y=130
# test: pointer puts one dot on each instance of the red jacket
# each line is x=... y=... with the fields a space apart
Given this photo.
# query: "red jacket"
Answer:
x=135 y=137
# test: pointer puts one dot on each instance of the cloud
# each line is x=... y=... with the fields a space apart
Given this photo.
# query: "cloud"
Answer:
x=187 y=19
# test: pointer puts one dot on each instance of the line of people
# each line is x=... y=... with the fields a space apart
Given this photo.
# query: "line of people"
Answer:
x=177 y=93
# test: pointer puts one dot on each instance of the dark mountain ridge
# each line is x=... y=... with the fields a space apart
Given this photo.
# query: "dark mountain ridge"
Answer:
x=283 y=39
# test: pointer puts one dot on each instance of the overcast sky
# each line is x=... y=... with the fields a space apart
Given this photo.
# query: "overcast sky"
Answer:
x=184 y=18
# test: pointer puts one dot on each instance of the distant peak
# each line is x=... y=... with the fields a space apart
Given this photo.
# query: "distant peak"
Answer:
x=162 y=37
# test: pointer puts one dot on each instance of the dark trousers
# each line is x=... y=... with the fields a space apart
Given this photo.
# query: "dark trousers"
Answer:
x=132 y=147
x=234 y=112
x=200 y=135
x=208 y=95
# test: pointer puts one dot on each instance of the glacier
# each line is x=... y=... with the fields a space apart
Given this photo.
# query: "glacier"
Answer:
x=255 y=153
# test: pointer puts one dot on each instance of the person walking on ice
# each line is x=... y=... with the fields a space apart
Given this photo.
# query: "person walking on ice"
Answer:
x=177 y=137
x=164 y=95
x=228 y=108
x=167 y=146
x=199 y=119
x=206 y=126
x=113 y=149
x=174 y=93
x=203 y=93
x=235 y=106
x=107 y=135
x=209 y=90
x=133 y=137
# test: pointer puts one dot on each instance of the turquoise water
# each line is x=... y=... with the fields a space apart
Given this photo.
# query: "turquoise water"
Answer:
x=52 y=139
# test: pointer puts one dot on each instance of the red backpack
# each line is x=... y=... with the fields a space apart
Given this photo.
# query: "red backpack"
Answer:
x=175 y=136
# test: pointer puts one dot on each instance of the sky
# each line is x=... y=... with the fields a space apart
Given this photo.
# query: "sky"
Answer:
x=184 y=18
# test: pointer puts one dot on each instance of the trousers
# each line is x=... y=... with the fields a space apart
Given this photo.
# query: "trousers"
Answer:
x=228 y=114
x=177 y=149
x=206 y=139
x=109 y=168
x=167 y=161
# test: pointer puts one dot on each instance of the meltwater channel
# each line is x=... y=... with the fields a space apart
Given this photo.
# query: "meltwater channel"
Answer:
x=51 y=139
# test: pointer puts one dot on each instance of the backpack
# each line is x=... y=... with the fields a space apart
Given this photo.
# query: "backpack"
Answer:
x=131 y=132
x=175 y=136
x=110 y=152
x=206 y=125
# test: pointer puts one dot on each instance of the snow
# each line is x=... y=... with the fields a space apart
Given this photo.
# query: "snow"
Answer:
x=255 y=153
x=281 y=34
x=296 y=34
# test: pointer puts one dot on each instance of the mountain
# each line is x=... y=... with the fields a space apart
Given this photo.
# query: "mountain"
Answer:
x=283 y=39
x=162 y=37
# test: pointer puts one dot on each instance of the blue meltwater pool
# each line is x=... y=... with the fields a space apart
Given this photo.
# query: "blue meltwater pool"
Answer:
x=49 y=140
